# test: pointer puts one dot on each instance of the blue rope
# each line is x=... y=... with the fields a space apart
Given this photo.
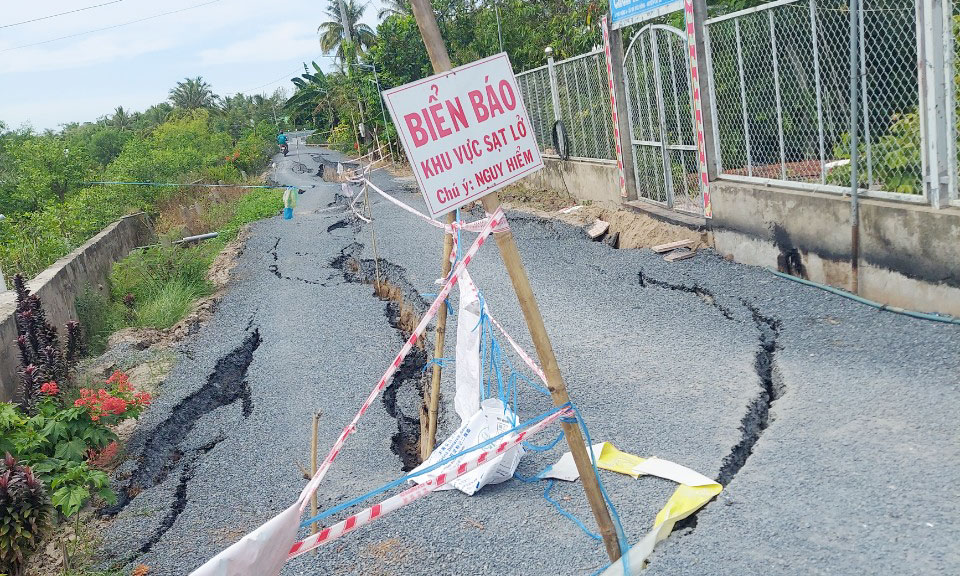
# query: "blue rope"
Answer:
x=440 y=464
x=175 y=185
x=545 y=447
x=433 y=296
x=546 y=495
x=621 y=533
x=441 y=362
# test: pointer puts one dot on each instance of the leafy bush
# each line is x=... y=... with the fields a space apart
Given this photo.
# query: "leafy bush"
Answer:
x=342 y=139
x=160 y=283
x=24 y=514
x=99 y=318
x=62 y=436
x=252 y=153
x=41 y=358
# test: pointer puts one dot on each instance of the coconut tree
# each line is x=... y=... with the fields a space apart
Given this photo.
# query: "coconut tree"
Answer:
x=121 y=119
x=331 y=31
x=393 y=7
x=193 y=93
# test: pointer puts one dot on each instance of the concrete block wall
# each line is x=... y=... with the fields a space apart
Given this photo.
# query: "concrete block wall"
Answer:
x=909 y=253
x=596 y=181
x=58 y=286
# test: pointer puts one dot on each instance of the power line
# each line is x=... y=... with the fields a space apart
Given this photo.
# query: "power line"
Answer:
x=110 y=27
x=60 y=14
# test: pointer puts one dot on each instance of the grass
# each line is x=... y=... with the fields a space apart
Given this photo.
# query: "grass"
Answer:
x=168 y=304
x=157 y=286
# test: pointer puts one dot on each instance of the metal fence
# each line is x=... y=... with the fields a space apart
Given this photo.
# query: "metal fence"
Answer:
x=574 y=92
x=780 y=77
x=779 y=81
x=951 y=34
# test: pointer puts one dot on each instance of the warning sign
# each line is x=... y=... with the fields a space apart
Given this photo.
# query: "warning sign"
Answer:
x=466 y=132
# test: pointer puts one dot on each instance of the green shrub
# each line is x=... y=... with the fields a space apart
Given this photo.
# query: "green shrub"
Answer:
x=24 y=514
x=99 y=317
x=224 y=173
x=257 y=204
x=145 y=271
x=342 y=139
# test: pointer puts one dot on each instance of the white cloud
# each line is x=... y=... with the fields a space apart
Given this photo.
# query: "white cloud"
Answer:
x=278 y=43
x=238 y=44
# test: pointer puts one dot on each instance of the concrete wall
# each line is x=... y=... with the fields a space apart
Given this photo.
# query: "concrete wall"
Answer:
x=59 y=285
x=586 y=180
x=910 y=254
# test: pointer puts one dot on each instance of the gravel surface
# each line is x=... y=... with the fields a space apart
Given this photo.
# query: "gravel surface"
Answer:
x=832 y=424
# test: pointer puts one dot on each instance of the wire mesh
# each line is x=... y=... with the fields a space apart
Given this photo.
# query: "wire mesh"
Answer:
x=534 y=88
x=585 y=106
x=952 y=29
x=781 y=88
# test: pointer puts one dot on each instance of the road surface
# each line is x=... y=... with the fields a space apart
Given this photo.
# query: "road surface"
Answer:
x=833 y=426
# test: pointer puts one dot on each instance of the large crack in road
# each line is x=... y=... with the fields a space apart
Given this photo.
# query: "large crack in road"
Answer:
x=403 y=307
x=757 y=417
x=163 y=454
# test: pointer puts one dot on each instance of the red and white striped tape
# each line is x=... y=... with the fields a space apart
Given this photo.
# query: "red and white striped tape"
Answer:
x=475 y=226
x=697 y=106
x=414 y=493
x=494 y=221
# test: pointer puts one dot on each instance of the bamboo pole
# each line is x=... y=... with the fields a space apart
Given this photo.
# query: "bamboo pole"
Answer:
x=437 y=51
x=432 y=395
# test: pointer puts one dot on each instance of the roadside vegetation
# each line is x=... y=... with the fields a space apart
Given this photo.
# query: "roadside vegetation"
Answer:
x=196 y=137
x=60 y=440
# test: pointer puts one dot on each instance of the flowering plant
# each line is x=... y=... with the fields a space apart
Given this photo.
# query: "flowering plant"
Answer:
x=118 y=402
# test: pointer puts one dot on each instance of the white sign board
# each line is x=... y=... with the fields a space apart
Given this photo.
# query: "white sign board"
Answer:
x=466 y=132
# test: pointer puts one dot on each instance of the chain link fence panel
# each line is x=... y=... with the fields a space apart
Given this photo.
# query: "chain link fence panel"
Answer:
x=781 y=93
x=584 y=105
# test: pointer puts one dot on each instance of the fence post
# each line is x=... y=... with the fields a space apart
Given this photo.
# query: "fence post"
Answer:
x=707 y=102
x=618 y=95
x=554 y=88
x=934 y=101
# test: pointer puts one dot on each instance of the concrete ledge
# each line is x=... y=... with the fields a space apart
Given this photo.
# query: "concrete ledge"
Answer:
x=59 y=285
x=695 y=223
x=594 y=181
x=909 y=254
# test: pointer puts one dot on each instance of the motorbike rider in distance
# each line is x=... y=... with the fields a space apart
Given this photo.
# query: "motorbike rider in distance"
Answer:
x=282 y=141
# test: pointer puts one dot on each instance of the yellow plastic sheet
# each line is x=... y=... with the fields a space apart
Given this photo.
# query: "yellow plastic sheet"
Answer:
x=616 y=461
x=693 y=492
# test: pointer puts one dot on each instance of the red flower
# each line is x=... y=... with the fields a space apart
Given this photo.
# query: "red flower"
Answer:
x=50 y=388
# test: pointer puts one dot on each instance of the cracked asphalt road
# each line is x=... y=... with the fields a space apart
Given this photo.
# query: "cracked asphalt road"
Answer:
x=833 y=425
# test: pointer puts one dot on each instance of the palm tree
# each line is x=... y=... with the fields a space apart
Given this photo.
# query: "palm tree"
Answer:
x=392 y=8
x=121 y=119
x=312 y=95
x=331 y=31
x=193 y=93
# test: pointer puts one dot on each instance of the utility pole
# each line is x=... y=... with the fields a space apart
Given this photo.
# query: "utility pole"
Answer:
x=437 y=51
x=854 y=151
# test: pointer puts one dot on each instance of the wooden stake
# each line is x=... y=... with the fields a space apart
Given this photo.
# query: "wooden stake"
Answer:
x=439 y=335
x=313 y=470
x=437 y=51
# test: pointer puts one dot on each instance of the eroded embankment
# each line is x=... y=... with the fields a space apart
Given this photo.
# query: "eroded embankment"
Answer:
x=403 y=308
x=163 y=454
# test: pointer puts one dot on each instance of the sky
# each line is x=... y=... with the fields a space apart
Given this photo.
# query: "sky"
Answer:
x=250 y=46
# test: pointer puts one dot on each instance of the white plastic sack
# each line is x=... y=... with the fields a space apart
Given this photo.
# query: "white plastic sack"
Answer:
x=261 y=552
x=467 y=399
x=493 y=418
